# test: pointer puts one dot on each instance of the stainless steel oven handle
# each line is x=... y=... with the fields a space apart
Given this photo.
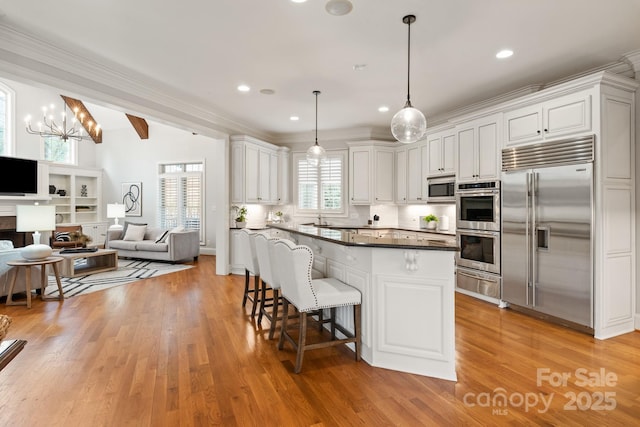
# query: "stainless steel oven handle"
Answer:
x=477 y=192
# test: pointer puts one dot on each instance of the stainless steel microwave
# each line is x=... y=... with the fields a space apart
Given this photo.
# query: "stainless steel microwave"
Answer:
x=441 y=189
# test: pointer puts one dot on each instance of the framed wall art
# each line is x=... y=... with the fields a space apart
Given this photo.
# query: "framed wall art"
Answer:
x=132 y=198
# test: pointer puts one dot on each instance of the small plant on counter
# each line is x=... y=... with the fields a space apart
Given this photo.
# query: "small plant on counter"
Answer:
x=430 y=217
x=241 y=213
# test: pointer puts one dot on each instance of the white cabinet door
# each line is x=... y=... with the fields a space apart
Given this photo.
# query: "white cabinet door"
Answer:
x=383 y=175
x=283 y=176
x=252 y=174
x=272 y=196
x=417 y=156
x=435 y=154
x=466 y=155
x=360 y=176
x=235 y=252
x=567 y=115
x=401 y=176
x=237 y=173
x=523 y=125
x=449 y=153
x=97 y=232
x=488 y=151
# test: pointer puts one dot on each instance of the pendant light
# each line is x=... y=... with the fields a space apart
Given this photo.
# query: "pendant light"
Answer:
x=409 y=124
x=316 y=154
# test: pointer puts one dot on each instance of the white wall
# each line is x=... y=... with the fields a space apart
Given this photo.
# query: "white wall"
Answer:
x=124 y=157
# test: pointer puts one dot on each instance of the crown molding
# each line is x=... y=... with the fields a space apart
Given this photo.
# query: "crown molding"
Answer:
x=36 y=59
x=633 y=59
x=336 y=135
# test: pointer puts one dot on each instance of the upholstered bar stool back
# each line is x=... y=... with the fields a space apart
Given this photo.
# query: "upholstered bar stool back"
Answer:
x=294 y=270
x=261 y=242
x=251 y=267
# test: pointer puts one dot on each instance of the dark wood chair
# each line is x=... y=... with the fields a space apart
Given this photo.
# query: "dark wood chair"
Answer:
x=67 y=236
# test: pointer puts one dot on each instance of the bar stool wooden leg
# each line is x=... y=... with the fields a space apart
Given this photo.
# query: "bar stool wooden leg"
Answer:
x=246 y=287
x=256 y=295
x=356 y=328
x=274 y=314
x=302 y=339
x=283 y=327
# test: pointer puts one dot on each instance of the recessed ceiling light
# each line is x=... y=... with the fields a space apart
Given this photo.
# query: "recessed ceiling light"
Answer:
x=298 y=1
x=339 y=7
x=383 y=109
x=359 y=67
x=504 y=53
x=267 y=91
x=244 y=88
x=294 y=118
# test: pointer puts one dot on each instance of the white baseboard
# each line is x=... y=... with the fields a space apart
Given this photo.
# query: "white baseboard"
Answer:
x=636 y=322
x=207 y=251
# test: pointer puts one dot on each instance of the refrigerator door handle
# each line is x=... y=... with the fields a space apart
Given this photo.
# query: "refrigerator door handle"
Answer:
x=527 y=224
x=533 y=237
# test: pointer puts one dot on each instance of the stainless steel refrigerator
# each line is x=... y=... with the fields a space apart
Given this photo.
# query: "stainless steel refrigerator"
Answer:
x=547 y=217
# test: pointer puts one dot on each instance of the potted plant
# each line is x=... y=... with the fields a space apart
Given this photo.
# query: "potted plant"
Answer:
x=241 y=216
x=431 y=221
x=279 y=216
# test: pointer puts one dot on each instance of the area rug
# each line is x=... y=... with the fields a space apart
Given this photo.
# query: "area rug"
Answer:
x=128 y=271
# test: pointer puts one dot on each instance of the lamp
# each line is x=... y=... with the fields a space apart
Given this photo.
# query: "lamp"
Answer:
x=338 y=7
x=316 y=154
x=49 y=128
x=115 y=210
x=409 y=124
x=35 y=218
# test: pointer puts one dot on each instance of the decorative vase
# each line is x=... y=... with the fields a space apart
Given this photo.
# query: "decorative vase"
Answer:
x=431 y=225
x=83 y=191
x=241 y=224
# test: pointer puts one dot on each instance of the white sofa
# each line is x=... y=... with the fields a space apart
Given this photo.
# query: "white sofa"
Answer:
x=178 y=245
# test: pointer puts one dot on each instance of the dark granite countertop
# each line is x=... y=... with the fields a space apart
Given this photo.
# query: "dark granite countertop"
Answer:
x=348 y=238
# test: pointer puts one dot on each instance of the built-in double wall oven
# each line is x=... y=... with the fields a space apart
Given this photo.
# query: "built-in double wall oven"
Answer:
x=478 y=233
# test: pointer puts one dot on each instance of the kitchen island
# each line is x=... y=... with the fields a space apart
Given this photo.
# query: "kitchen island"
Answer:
x=407 y=286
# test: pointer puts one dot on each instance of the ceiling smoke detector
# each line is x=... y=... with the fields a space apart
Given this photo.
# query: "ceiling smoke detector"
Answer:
x=339 y=7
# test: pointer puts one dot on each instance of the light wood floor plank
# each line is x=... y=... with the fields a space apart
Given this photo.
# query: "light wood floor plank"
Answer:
x=178 y=350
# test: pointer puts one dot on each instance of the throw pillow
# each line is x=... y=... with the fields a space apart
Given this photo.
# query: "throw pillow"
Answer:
x=62 y=236
x=6 y=244
x=135 y=233
x=163 y=236
x=126 y=225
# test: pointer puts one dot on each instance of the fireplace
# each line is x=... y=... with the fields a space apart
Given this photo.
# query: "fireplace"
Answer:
x=8 y=232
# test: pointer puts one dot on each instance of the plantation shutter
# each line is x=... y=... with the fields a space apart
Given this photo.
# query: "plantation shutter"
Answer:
x=181 y=196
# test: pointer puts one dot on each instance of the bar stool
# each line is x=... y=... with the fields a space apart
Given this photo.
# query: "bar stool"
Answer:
x=294 y=265
x=269 y=281
x=251 y=267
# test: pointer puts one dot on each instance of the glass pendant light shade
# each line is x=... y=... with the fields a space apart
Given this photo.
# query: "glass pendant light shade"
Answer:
x=316 y=155
x=408 y=125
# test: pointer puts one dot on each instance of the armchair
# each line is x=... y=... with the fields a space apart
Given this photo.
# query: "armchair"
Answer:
x=68 y=236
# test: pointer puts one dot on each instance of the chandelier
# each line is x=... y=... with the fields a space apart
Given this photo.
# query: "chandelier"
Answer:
x=75 y=130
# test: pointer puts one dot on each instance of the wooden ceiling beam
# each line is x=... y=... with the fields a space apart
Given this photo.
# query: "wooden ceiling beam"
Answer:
x=140 y=125
x=84 y=117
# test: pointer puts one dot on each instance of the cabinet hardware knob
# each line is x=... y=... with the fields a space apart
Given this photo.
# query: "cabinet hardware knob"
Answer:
x=546 y=130
x=538 y=131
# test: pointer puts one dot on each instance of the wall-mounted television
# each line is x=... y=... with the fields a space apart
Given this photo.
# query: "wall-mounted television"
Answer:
x=18 y=177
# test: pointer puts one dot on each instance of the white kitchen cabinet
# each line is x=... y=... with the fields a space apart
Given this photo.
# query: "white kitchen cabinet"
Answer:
x=283 y=176
x=82 y=189
x=442 y=151
x=401 y=176
x=564 y=116
x=478 y=149
x=371 y=175
x=256 y=176
x=360 y=175
x=417 y=160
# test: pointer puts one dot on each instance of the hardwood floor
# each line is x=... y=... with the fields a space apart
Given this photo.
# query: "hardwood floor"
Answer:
x=178 y=350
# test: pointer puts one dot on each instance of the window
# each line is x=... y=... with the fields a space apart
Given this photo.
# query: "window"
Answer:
x=6 y=120
x=181 y=196
x=59 y=151
x=320 y=189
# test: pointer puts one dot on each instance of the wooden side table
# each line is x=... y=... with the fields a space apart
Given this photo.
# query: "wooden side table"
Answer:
x=26 y=264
